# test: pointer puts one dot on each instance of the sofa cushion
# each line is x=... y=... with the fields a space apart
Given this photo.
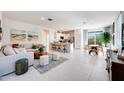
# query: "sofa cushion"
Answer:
x=16 y=50
x=1 y=54
x=28 y=46
x=31 y=50
x=20 y=50
x=8 y=50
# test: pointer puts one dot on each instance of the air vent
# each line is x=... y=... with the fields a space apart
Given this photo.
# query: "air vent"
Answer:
x=50 y=19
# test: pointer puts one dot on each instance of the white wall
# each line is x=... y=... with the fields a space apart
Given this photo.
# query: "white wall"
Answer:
x=52 y=35
x=0 y=15
x=85 y=38
x=78 y=34
x=9 y=24
x=96 y=29
x=118 y=32
x=1 y=24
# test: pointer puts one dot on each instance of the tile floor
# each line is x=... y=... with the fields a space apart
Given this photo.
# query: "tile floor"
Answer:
x=80 y=67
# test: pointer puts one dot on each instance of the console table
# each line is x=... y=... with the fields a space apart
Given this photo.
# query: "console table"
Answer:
x=115 y=66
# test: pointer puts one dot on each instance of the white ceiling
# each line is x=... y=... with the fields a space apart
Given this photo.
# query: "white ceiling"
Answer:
x=65 y=20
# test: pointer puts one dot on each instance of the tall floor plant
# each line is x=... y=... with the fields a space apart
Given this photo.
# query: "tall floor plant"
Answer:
x=105 y=38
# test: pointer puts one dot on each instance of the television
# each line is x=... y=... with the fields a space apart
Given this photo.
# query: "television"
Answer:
x=61 y=37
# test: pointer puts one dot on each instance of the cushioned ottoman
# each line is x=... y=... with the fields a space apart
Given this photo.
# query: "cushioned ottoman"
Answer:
x=44 y=60
x=21 y=66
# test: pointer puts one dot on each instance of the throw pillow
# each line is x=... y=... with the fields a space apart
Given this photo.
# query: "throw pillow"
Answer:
x=22 y=50
x=15 y=45
x=8 y=50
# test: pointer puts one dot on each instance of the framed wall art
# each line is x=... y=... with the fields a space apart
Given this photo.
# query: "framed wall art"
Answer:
x=17 y=35
x=33 y=36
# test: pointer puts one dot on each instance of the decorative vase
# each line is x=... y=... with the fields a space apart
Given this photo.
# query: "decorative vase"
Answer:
x=42 y=49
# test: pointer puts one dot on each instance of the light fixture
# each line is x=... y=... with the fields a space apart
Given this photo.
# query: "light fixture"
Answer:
x=50 y=19
x=42 y=18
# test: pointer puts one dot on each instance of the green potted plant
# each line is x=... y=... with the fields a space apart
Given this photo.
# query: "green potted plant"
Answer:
x=34 y=46
x=105 y=38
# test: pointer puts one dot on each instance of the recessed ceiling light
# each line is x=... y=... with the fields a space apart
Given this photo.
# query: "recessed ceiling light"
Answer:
x=42 y=18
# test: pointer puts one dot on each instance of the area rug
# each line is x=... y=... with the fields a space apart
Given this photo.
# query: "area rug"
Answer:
x=52 y=64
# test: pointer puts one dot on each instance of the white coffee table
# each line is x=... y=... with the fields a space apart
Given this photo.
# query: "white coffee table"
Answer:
x=54 y=56
x=44 y=60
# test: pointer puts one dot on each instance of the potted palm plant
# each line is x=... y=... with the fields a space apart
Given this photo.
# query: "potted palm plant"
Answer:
x=105 y=38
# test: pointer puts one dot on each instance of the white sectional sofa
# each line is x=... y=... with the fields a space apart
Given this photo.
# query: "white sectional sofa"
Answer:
x=7 y=63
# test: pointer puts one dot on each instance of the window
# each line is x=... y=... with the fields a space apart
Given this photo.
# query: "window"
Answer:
x=93 y=37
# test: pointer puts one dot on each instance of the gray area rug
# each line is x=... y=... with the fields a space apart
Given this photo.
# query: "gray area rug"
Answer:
x=52 y=64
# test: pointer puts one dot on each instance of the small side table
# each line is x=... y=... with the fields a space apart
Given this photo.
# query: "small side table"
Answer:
x=54 y=56
x=44 y=60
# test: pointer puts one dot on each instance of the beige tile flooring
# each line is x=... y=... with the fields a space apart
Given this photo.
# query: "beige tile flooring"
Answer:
x=80 y=67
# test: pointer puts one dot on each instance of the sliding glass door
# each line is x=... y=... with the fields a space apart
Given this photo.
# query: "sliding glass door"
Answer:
x=93 y=37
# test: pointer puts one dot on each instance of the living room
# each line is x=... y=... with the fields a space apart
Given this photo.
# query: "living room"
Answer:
x=62 y=37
